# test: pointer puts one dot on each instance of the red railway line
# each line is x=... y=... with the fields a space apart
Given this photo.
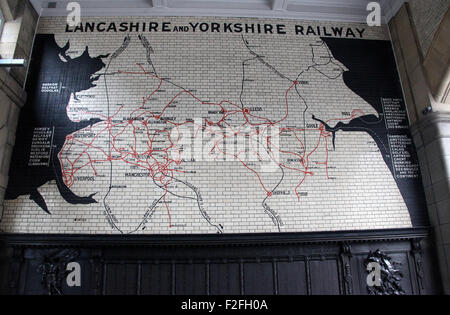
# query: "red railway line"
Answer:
x=159 y=161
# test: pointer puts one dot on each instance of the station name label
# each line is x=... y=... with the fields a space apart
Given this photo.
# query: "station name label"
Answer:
x=213 y=27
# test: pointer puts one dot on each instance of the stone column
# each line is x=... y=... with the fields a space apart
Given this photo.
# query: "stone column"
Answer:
x=12 y=98
x=15 y=42
x=424 y=78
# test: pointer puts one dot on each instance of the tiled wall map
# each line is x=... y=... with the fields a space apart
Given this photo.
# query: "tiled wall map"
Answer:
x=212 y=125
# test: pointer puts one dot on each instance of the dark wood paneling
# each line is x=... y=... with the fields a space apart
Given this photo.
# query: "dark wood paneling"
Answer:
x=156 y=279
x=331 y=263
x=121 y=279
x=224 y=278
x=292 y=278
x=190 y=279
x=325 y=278
x=258 y=278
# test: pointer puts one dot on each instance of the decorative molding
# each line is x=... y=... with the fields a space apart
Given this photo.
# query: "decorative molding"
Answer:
x=212 y=240
x=322 y=10
x=417 y=253
x=336 y=263
x=346 y=256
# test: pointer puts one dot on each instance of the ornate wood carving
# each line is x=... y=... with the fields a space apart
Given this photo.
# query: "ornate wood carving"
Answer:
x=417 y=253
x=346 y=256
x=53 y=269
x=389 y=274
x=331 y=258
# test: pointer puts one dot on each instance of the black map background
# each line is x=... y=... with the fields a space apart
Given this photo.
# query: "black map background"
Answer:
x=49 y=109
x=372 y=74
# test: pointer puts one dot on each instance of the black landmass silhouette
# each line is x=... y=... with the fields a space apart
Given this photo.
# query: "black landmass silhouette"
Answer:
x=372 y=74
x=49 y=110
